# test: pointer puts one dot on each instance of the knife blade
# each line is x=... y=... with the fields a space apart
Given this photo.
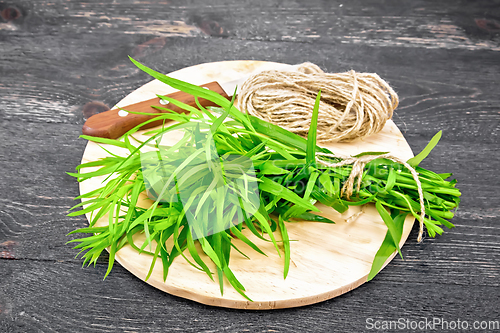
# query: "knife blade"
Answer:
x=114 y=123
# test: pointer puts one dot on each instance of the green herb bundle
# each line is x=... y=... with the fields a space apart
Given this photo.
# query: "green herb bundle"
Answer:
x=232 y=171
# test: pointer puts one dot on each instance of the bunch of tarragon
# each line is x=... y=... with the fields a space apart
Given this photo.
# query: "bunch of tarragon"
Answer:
x=232 y=171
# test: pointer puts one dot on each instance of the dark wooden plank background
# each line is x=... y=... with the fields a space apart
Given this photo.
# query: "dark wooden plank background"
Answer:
x=442 y=57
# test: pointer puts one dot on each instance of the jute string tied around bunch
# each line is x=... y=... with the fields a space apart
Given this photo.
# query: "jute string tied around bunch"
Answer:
x=353 y=105
x=355 y=177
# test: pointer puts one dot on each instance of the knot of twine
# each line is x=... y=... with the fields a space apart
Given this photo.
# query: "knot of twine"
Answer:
x=355 y=177
x=353 y=105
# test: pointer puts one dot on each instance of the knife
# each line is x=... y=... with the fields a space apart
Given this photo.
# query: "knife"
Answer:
x=114 y=123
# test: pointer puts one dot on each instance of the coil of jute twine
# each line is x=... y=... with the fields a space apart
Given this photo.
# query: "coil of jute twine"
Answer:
x=353 y=105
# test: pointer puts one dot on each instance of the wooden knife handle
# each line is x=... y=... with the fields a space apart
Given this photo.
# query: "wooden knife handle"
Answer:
x=112 y=123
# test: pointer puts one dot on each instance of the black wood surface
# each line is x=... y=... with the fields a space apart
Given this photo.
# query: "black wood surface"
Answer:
x=442 y=57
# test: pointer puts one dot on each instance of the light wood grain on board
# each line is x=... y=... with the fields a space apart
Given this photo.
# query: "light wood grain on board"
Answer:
x=326 y=260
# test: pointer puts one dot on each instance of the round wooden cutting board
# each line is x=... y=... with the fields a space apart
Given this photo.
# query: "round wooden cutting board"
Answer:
x=327 y=260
